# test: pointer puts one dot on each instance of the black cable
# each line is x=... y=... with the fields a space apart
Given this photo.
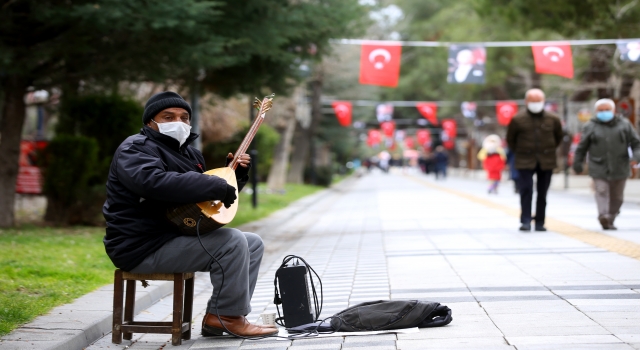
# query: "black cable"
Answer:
x=310 y=333
x=317 y=305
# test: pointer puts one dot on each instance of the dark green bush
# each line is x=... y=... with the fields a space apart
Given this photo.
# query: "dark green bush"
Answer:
x=69 y=163
x=89 y=130
x=323 y=175
x=109 y=119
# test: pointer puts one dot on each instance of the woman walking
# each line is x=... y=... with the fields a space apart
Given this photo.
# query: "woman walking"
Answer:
x=609 y=140
x=493 y=160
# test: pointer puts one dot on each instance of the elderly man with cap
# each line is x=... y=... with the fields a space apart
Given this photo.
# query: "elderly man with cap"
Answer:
x=609 y=140
x=157 y=169
x=533 y=135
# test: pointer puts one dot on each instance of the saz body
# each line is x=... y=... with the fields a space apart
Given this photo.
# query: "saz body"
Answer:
x=214 y=213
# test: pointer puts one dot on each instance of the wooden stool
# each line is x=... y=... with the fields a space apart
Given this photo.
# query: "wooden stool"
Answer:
x=179 y=329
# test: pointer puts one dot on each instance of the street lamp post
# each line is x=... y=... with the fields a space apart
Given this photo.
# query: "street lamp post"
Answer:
x=254 y=162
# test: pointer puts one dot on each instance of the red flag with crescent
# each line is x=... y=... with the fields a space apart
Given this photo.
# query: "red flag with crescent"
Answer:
x=343 y=112
x=424 y=137
x=553 y=58
x=380 y=64
x=429 y=111
x=388 y=128
x=449 y=132
x=505 y=110
x=374 y=138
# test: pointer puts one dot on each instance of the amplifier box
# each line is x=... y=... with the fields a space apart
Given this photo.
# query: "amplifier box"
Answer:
x=294 y=293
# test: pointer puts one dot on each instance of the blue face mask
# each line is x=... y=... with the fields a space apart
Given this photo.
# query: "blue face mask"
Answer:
x=604 y=116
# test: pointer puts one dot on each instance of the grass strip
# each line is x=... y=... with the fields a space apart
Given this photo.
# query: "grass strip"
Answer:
x=43 y=267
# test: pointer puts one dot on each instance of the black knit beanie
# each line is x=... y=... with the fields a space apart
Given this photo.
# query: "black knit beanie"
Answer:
x=161 y=101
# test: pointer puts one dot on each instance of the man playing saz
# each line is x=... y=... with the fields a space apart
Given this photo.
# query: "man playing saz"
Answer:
x=157 y=169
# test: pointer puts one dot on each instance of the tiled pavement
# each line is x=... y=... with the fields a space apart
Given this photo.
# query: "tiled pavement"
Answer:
x=389 y=236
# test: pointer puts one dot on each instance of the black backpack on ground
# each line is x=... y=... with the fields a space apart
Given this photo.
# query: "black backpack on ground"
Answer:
x=391 y=314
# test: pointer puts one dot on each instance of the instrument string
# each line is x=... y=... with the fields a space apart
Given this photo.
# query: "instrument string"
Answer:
x=253 y=130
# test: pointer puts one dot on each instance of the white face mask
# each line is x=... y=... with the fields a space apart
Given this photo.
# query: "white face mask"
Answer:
x=535 y=107
x=178 y=130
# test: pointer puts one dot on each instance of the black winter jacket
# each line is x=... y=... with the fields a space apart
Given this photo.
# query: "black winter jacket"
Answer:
x=149 y=174
x=534 y=139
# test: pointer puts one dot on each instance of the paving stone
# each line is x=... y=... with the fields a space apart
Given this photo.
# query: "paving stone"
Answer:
x=316 y=346
x=560 y=340
x=217 y=343
x=610 y=346
x=369 y=338
x=481 y=342
x=311 y=341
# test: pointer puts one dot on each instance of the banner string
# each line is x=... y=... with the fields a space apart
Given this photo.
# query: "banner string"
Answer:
x=480 y=43
x=364 y=103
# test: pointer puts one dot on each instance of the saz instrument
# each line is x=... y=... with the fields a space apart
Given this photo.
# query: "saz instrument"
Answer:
x=215 y=213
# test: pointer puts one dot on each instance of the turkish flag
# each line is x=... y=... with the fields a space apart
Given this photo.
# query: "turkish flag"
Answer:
x=505 y=110
x=553 y=58
x=380 y=64
x=450 y=126
x=343 y=112
x=429 y=111
x=374 y=138
x=449 y=132
x=388 y=128
x=424 y=137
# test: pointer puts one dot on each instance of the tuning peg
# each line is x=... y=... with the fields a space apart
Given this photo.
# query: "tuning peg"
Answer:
x=257 y=104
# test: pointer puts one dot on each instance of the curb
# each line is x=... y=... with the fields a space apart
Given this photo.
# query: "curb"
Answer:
x=63 y=328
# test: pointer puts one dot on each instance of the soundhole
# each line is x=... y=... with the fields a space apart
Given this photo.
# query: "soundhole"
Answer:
x=189 y=222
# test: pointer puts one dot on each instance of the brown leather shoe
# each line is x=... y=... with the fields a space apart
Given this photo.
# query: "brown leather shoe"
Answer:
x=238 y=325
x=604 y=222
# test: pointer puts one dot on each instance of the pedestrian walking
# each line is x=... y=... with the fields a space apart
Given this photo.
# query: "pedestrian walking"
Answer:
x=441 y=162
x=610 y=141
x=493 y=160
x=385 y=159
x=513 y=172
x=533 y=135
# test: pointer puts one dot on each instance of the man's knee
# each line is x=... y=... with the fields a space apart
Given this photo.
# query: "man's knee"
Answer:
x=232 y=240
x=254 y=242
x=526 y=189
x=602 y=190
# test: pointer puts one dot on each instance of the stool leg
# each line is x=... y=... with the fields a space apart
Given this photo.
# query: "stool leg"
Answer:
x=118 y=286
x=188 y=305
x=129 y=306
x=178 y=300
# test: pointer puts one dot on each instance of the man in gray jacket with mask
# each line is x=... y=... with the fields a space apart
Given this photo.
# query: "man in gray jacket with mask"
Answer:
x=608 y=139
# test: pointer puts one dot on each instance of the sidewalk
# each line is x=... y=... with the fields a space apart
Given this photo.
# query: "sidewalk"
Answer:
x=407 y=236
x=577 y=184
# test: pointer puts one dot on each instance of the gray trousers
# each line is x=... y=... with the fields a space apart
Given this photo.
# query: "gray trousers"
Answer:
x=609 y=196
x=239 y=253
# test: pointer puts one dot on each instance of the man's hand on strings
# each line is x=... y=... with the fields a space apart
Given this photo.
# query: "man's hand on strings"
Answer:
x=244 y=160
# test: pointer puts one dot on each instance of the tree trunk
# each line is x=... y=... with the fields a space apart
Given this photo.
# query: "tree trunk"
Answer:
x=303 y=138
x=626 y=85
x=13 y=114
x=599 y=72
x=278 y=172
x=299 y=156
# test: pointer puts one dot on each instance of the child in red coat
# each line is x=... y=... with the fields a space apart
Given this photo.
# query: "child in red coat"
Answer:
x=493 y=160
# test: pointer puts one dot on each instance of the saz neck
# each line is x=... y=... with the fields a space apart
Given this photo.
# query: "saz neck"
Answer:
x=248 y=138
